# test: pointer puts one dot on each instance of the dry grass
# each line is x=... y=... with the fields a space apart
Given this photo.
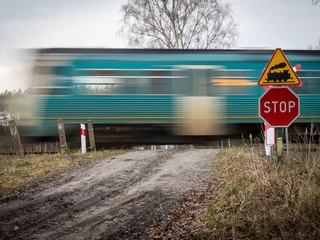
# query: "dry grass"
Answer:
x=17 y=172
x=259 y=199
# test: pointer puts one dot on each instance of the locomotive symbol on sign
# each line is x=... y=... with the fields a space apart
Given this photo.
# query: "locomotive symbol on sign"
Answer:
x=278 y=76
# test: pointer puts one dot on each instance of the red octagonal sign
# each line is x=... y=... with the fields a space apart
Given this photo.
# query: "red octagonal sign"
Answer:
x=279 y=107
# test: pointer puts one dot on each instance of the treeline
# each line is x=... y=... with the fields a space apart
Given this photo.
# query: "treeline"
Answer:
x=7 y=110
x=83 y=89
x=13 y=94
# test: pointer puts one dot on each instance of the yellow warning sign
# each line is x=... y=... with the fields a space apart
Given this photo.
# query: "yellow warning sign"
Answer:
x=278 y=71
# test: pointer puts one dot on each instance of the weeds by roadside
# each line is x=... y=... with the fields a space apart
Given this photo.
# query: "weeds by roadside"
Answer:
x=250 y=197
x=259 y=199
x=16 y=172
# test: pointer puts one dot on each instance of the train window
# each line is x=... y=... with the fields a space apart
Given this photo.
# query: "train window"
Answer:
x=232 y=82
x=108 y=81
x=145 y=81
x=182 y=81
x=94 y=82
x=157 y=82
x=191 y=80
x=310 y=80
x=131 y=81
x=160 y=81
x=200 y=77
x=124 y=81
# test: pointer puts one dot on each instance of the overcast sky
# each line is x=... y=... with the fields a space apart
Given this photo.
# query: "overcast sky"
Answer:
x=289 y=24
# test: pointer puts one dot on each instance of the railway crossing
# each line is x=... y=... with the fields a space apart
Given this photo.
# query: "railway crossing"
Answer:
x=279 y=106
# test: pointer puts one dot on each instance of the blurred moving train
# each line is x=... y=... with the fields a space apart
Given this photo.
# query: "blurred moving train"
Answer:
x=157 y=95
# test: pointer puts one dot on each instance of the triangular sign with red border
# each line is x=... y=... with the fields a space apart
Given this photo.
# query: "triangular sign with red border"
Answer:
x=278 y=72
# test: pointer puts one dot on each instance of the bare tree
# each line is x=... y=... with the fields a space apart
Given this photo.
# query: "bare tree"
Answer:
x=316 y=46
x=178 y=24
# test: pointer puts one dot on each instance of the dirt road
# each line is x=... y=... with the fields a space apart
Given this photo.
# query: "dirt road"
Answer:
x=116 y=199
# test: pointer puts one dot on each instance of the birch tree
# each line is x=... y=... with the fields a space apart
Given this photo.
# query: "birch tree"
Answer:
x=178 y=24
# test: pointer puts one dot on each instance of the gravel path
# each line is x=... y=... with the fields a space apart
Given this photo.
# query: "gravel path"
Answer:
x=118 y=198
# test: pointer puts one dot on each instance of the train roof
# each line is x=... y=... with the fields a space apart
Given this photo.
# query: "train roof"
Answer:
x=168 y=51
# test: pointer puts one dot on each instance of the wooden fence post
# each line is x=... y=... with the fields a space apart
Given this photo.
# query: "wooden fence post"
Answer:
x=16 y=138
x=62 y=136
x=91 y=136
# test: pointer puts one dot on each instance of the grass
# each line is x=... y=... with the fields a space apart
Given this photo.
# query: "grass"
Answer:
x=17 y=172
x=253 y=198
x=259 y=199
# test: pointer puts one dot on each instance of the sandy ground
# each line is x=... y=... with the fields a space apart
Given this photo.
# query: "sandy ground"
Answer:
x=118 y=198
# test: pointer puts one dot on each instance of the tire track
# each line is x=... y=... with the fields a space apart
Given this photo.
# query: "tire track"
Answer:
x=40 y=214
x=115 y=200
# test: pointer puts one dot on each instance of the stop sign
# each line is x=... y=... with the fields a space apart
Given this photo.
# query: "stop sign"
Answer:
x=279 y=107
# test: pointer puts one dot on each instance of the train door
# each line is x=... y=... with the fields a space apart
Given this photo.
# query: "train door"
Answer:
x=197 y=113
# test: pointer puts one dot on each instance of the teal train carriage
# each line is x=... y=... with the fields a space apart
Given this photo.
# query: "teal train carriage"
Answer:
x=155 y=95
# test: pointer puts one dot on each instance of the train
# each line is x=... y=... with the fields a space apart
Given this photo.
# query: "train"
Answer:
x=283 y=76
x=151 y=96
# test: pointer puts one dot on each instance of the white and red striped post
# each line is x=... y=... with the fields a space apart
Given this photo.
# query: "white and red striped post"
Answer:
x=270 y=139
x=83 y=137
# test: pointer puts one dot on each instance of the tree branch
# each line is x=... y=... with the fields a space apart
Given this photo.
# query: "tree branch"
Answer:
x=178 y=24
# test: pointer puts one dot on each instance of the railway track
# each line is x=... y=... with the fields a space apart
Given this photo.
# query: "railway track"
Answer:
x=54 y=147
x=130 y=140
